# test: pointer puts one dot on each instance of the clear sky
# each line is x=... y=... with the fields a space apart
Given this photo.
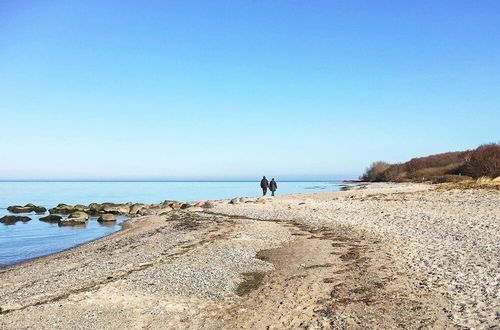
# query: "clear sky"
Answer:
x=239 y=89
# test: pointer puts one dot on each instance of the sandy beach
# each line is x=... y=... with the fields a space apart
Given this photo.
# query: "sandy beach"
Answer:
x=378 y=256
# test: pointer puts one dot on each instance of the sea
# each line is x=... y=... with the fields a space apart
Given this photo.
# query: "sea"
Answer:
x=32 y=239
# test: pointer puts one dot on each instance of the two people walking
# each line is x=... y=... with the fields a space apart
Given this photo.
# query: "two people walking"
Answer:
x=264 y=184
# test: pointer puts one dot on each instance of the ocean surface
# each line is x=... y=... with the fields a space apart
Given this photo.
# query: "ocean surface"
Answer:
x=35 y=238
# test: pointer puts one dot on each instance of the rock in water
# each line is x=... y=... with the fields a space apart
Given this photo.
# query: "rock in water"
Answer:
x=20 y=209
x=137 y=208
x=80 y=207
x=107 y=218
x=51 y=218
x=27 y=208
x=61 y=209
x=94 y=208
x=115 y=208
x=12 y=219
x=39 y=209
x=79 y=214
x=73 y=222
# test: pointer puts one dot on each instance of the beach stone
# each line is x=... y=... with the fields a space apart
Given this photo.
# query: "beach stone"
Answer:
x=185 y=206
x=78 y=214
x=107 y=217
x=73 y=221
x=51 y=218
x=200 y=203
x=176 y=206
x=195 y=209
x=20 y=209
x=94 y=208
x=136 y=208
x=115 y=208
x=12 y=219
x=165 y=210
x=234 y=201
x=208 y=205
x=168 y=202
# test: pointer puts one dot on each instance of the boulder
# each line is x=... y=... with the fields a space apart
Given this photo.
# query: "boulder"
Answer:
x=30 y=207
x=39 y=209
x=61 y=209
x=115 y=208
x=20 y=209
x=150 y=212
x=51 y=218
x=73 y=222
x=136 y=208
x=185 y=206
x=12 y=219
x=234 y=201
x=107 y=217
x=208 y=205
x=78 y=214
x=176 y=206
x=168 y=202
x=199 y=203
x=80 y=207
x=195 y=209
x=94 y=208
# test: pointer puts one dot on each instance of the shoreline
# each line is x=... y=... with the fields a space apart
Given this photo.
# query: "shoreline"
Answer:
x=261 y=238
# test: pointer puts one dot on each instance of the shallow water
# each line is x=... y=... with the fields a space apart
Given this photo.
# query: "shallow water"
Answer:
x=35 y=238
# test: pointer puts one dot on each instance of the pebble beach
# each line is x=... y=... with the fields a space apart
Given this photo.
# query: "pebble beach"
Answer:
x=377 y=256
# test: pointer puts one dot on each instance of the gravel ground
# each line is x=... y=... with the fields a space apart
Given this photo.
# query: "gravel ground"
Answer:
x=451 y=236
x=380 y=256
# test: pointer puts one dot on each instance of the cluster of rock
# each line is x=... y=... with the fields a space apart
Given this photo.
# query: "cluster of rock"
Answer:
x=107 y=212
x=28 y=208
x=12 y=219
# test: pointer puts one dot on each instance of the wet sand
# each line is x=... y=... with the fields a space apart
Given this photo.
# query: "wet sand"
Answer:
x=384 y=256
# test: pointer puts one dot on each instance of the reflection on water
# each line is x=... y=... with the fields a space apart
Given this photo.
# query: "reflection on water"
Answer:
x=35 y=238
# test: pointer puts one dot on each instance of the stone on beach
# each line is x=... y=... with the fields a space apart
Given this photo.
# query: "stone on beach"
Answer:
x=115 y=208
x=137 y=208
x=12 y=219
x=51 y=218
x=207 y=205
x=107 y=217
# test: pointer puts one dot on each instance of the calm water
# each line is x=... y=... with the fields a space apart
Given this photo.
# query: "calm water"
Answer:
x=35 y=238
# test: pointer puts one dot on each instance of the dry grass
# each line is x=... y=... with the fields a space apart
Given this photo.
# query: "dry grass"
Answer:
x=481 y=183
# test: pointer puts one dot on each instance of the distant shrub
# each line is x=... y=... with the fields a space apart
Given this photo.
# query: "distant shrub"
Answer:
x=375 y=172
x=484 y=161
x=454 y=166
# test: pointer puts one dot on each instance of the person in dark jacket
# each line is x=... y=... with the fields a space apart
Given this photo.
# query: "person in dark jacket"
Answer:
x=264 y=184
x=273 y=186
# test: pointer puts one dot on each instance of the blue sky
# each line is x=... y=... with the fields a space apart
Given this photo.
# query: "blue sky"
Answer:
x=238 y=89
